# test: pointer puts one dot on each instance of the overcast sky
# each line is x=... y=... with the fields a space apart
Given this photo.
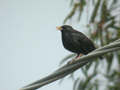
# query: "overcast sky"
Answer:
x=30 y=45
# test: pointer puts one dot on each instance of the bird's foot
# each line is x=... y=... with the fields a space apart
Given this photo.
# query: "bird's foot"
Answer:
x=74 y=59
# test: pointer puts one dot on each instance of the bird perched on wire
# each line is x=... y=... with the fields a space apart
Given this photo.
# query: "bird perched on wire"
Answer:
x=75 y=41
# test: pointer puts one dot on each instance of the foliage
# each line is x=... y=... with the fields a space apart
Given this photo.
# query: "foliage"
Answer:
x=103 y=25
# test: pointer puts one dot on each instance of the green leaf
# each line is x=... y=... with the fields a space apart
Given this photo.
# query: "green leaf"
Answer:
x=94 y=13
x=72 y=12
x=81 y=7
x=109 y=58
x=118 y=57
x=75 y=83
x=84 y=71
x=72 y=76
x=71 y=3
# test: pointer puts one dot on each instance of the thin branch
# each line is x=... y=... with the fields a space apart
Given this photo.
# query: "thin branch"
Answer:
x=69 y=68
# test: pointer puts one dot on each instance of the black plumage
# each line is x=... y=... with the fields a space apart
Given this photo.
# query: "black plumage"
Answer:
x=75 y=41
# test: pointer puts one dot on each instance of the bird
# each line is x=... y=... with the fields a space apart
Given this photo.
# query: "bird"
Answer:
x=75 y=41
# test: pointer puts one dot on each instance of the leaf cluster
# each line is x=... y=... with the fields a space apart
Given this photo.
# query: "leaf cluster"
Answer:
x=103 y=25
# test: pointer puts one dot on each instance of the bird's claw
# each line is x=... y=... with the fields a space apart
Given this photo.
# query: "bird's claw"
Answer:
x=70 y=62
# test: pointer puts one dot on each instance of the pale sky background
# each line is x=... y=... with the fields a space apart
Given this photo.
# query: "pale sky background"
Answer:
x=31 y=47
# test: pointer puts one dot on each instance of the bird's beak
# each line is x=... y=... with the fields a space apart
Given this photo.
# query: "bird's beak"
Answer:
x=59 y=28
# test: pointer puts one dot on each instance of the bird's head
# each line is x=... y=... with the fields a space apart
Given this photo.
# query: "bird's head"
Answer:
x=64 y=28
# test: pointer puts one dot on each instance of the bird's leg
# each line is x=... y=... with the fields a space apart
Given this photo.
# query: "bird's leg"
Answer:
x=74 y=59
x=79 y=55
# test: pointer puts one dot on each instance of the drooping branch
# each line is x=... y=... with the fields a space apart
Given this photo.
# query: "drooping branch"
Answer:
x=69 y=68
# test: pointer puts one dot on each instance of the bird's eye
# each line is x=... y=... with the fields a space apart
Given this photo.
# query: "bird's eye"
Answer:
x=64 y=27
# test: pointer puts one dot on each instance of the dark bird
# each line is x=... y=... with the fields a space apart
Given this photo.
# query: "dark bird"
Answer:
x=75 y=41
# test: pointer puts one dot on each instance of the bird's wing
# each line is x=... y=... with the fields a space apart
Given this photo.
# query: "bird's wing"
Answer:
x=79 y=37
x=83 y=42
